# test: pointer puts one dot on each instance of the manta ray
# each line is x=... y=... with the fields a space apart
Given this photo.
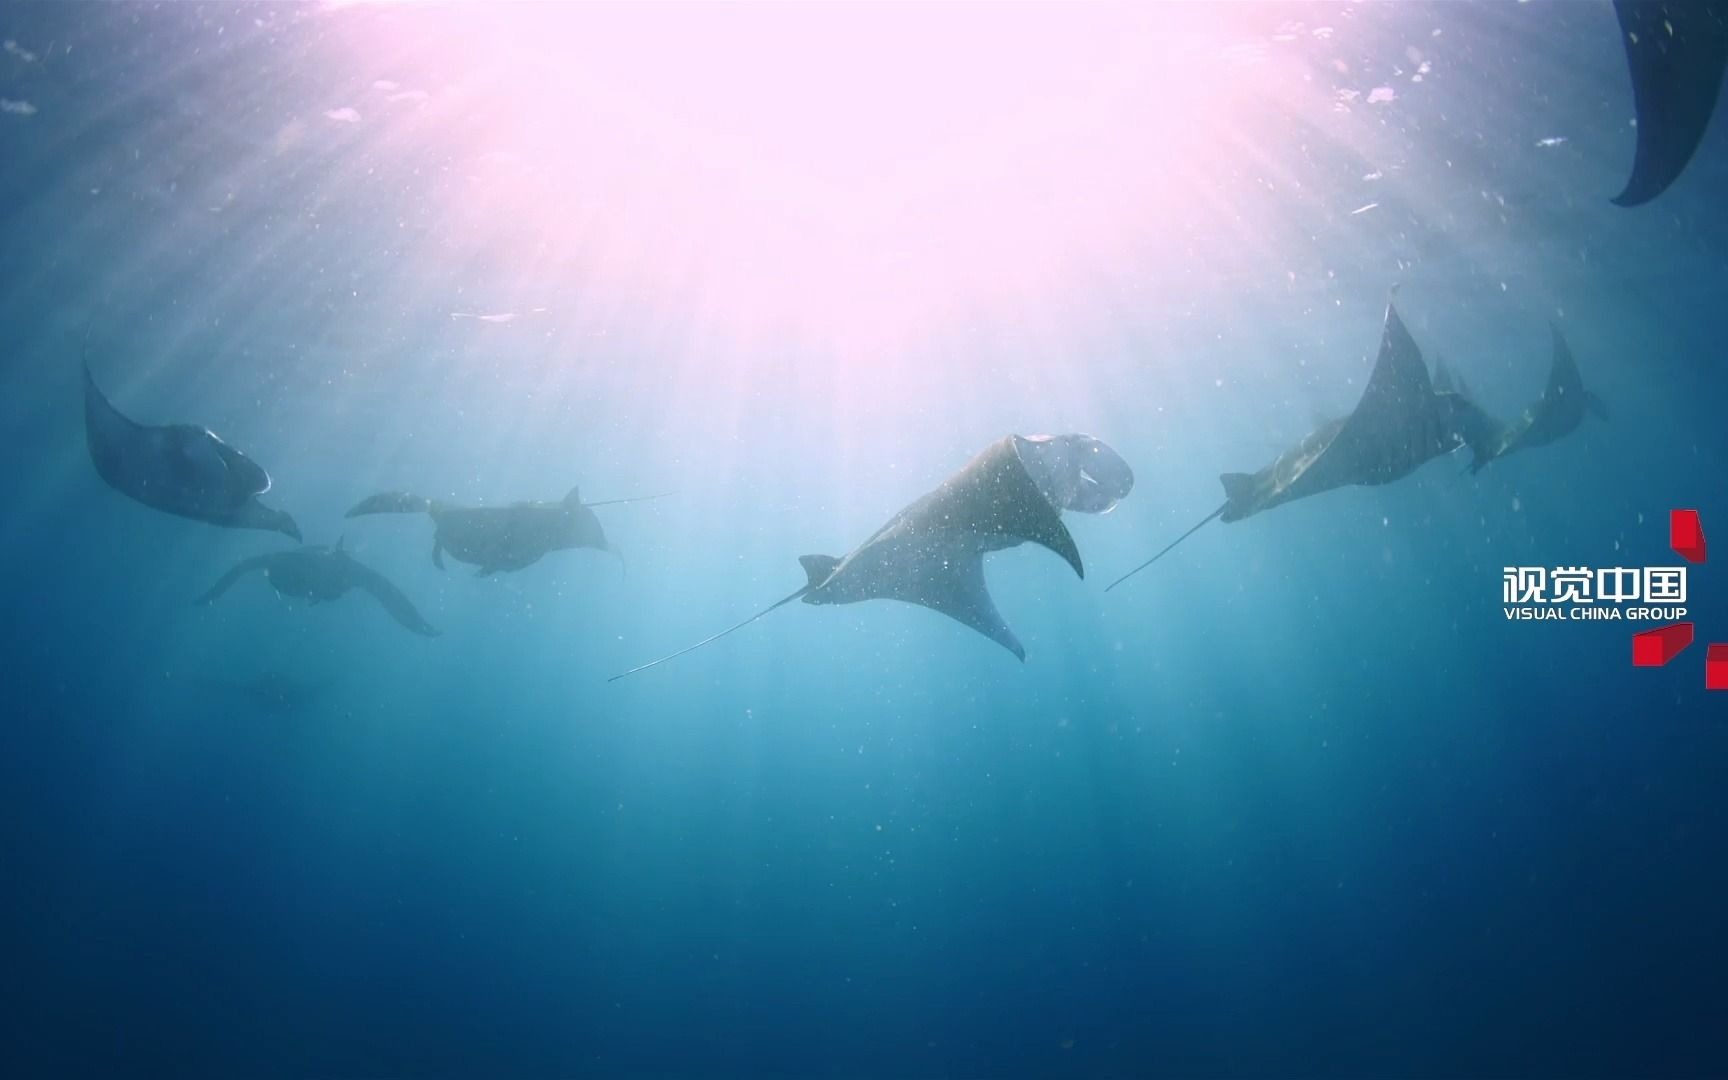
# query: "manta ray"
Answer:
x=1556 y=414
x=1401 y=422
x=180 y=469
x=1676 y=50
x=321 y=573
x=932 y=552
x=496 y=538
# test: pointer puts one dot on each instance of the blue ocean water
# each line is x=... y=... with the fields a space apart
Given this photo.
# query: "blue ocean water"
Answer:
x=1297 y=801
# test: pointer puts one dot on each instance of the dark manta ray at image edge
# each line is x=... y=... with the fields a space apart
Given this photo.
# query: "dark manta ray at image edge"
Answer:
x=1400 y=423
x=932 y=552
x=1676 y=51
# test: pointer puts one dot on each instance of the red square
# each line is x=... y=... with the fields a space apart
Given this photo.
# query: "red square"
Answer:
x=1716 y=668
x=1653 y=648
x=1686 y=535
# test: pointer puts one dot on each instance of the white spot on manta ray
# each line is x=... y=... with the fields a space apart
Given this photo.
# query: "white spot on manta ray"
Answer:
x=343 y=115
x=1552 y=140
x=1363 y=209
x=17 y=108
x=1380 y=94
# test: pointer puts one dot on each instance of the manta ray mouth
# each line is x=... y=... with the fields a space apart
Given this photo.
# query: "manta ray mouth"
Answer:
x=1097 y=488
x=1076 y=472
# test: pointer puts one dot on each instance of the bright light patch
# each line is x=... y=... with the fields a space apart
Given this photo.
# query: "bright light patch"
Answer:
x=836 y=175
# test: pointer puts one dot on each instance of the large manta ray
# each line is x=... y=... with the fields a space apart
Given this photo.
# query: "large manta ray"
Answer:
x=932 y=552
x=496 y=538
x=1401 y=422
x=320 y=573
x=1676 y=50
x=1556 y=414
x=179 y=469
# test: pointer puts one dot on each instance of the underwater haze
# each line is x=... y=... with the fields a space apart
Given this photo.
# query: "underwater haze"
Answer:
x=1298 y=800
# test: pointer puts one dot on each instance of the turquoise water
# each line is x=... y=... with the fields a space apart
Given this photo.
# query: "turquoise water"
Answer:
x=1298 y=800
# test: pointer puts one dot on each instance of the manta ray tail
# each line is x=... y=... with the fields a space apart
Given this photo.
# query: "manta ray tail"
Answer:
x=632 y=499
x=391 y=502
x=819 y=568
x=1179 y=539
x=710 y=639
x=1598 y=408
x=235 y=573
x=1237 y=486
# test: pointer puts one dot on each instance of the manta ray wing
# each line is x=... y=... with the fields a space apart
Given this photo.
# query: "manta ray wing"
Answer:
x=1395 y=427
x=1560 y=409
x=943 y=572
x=992 y=498
x=956 y=588
x=104 y=420
x=110 y=434
x=1564 y=379
x=392 y=598
x=1676 y=51
x=1556 y=414
x=234 y=574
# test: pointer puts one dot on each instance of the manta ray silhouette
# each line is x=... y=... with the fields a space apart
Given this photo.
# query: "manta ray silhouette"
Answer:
x=1401 y=422
x=932 y=552
x=496 y=538
x=1556 y=414
x=179 y=469
x=319 y=574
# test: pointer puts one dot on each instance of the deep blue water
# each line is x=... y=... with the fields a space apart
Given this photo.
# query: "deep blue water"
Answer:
x=1298 y=801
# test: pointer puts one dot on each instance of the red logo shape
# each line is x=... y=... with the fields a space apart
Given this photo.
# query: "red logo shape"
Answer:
x=1686 y=535
x=1654 y=648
